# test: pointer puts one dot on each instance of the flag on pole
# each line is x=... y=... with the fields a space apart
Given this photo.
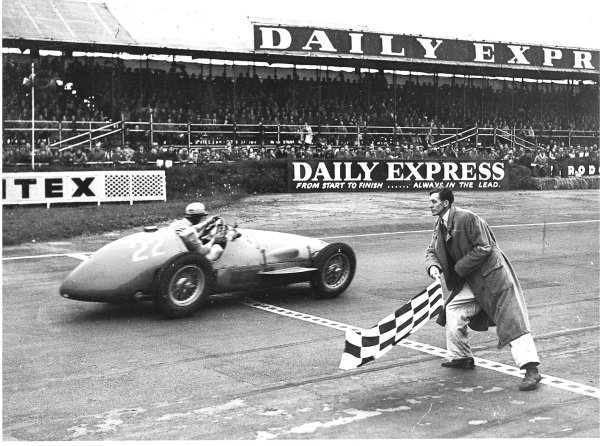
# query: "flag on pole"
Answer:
x=366 y=345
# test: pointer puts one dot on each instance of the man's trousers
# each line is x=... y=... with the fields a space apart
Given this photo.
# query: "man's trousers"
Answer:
x=458 y=312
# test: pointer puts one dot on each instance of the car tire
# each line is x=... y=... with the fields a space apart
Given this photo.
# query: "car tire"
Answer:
x=336 y=265
x=184 y=284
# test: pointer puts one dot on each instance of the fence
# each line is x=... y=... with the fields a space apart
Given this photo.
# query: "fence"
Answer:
x=85 y=133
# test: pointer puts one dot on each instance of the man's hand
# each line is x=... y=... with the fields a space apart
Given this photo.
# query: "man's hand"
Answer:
x=434 y=273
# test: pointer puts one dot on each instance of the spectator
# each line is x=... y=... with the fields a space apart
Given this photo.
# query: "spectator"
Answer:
x=140 y=157
x=182 y=155
x=541 y=164
x=128 y=152
x=79 y=157
x=153 y=155
x=204 y=157
x=67 y=158
x=119 y=156
x=307 y=134
x=97 y=155
x=510 y=157
x=281 y=152
x=54 y=159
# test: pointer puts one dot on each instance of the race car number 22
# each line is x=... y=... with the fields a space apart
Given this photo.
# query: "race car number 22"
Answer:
x=145 y=249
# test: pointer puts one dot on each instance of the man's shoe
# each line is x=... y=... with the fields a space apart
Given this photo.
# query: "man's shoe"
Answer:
x=461 y=363
x=531 y=379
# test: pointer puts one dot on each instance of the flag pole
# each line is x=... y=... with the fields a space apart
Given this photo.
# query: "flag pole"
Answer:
x=32 y=117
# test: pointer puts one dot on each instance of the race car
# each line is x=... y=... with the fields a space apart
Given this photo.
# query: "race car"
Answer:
x=156 y=265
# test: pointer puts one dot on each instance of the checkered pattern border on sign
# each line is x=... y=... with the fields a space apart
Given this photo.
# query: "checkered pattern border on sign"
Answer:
x=116 y=186
x=148 y=185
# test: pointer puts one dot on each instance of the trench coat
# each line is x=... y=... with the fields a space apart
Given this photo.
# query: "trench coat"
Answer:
x=487 y=270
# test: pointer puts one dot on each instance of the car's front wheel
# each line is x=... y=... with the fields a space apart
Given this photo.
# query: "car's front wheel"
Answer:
x=336 y=264
x=185 y=283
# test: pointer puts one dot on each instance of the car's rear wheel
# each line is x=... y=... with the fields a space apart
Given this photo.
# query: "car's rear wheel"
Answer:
x=336 y=265
x=184 y=284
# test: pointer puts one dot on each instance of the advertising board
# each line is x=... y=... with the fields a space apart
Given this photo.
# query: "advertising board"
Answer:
x=73 y=187
x=394 y=175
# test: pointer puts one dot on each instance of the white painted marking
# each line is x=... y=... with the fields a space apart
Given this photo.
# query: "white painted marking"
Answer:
x=110 y=420
x=468 y=389
x=74 y=255
x=374 y=234
x=210 y=411
x=533 y=420
x=552 y=381
x=421 y=231
x=307 y=428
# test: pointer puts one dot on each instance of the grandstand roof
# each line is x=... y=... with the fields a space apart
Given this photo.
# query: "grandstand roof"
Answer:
x=59 y=21
x=216 y=30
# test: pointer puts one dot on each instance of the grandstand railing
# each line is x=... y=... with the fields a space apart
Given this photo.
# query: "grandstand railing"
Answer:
x=88 y=137
x=464 y=135
x=71 y=134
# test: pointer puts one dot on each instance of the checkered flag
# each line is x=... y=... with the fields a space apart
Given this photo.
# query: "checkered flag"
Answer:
x=363 y=346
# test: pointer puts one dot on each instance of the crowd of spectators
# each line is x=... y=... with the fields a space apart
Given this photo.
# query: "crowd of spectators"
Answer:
x=543 y=161
x=107 y=90
x=92 y=91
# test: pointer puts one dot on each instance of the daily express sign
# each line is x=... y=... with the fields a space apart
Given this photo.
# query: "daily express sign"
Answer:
x=345 y=43
x=358 y=176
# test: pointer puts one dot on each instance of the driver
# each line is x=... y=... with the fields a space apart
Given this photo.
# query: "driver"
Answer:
x=191 y=230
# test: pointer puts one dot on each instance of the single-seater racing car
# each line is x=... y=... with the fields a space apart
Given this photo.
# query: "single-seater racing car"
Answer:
x=156 y=265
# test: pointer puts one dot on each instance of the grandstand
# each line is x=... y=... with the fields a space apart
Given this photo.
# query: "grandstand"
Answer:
x=99 y=78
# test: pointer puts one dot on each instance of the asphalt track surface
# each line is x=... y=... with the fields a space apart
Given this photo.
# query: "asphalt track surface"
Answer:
x=264 y=364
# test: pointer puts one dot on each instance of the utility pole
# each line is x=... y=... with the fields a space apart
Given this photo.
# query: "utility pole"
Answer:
x=32 y=116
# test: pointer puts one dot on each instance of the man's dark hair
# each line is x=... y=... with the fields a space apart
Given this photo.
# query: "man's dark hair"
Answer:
x=445 y=194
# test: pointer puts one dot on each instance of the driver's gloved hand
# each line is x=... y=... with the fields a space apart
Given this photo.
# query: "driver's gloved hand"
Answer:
x=220 y=239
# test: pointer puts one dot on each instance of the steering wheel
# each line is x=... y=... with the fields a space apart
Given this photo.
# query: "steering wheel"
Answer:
x=217 y=226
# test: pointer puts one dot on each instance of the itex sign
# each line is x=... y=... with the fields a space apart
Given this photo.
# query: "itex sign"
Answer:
x=71 y=187
x=385 y=175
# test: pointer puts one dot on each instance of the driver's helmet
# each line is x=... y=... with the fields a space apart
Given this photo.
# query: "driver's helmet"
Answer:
x=195 y=210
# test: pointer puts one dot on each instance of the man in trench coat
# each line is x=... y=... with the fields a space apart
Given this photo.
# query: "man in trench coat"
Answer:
x=484 y=288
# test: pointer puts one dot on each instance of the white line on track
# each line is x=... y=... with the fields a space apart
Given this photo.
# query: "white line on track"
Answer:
x=552 y=381
x=74 y=255
x=84 y=255
x=423 y=231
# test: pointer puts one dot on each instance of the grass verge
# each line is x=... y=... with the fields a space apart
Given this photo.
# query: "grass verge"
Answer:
x=23 y=224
